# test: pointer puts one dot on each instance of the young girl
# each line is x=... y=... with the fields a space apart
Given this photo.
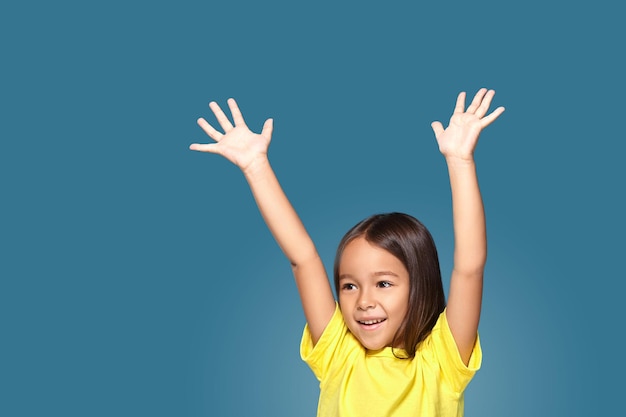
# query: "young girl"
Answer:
x=390 y=346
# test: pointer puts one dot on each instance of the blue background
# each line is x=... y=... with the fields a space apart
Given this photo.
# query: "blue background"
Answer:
x=137 y=277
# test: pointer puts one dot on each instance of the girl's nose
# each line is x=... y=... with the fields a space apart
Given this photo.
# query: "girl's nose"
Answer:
x=365 y=302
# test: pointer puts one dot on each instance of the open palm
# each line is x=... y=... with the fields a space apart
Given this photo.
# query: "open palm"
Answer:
x=459 y=139
x=238 y=143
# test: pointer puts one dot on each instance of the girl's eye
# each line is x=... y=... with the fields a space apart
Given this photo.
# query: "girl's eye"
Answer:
x=348 y=287
x=384 y=284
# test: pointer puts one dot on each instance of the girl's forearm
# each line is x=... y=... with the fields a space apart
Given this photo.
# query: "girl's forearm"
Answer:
x=309 y=272
x=470 y=237
x=279 y=214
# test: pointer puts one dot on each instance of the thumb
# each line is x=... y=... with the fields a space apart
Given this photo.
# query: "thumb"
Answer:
x=437 y=128
x=268 y=128
x=205 y=147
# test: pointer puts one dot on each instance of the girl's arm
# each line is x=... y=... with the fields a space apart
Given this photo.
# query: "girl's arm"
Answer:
x=457 y=143
x=248 y=151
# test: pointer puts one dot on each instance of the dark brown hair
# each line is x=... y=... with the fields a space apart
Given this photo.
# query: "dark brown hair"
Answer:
x=408 y=240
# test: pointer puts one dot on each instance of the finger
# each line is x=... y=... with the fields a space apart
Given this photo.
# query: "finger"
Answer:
x=205 y=147
x=268 y=128
x=478 y=98
x=486 y=121
x=221 y=117
x=437 y=128
x=209 y=130
x=234 y=110
x=460 y=103
x=484 y=105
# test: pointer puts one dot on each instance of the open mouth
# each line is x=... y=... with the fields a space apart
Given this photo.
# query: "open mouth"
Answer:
x=370 y=323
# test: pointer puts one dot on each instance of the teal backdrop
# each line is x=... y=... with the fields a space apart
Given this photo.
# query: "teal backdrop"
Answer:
x=137 y=277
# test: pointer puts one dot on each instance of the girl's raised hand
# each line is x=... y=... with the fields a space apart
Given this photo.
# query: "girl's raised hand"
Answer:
x=238 y=143
x=459 y=139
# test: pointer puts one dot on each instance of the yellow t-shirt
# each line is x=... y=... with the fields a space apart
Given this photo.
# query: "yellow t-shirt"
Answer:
x=355 y=382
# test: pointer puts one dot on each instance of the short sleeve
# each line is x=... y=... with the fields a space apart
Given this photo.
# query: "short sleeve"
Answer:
x=454 y=370
x=320 y=355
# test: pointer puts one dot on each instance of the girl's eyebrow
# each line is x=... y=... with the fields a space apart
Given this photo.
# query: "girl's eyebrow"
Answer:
x=383 y=273
x=375 y=274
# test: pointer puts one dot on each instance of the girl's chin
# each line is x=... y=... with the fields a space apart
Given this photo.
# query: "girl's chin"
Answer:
x=373 y=346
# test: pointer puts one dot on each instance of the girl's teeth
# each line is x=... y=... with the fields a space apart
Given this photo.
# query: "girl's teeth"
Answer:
x=372 y=321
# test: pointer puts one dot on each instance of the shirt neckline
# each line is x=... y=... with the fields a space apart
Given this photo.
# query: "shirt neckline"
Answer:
x=387 y=352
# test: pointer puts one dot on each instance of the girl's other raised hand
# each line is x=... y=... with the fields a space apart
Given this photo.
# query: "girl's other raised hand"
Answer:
x=459 y=139
x=238 y=143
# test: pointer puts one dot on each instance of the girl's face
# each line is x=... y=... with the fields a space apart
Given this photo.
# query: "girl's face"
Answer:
x=373 y=293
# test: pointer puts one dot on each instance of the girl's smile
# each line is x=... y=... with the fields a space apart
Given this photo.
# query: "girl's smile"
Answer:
x=374 y=293
x=371 y=323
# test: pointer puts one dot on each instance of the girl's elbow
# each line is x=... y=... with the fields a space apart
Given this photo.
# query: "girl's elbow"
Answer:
x=475 y=272
x=304 y=260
